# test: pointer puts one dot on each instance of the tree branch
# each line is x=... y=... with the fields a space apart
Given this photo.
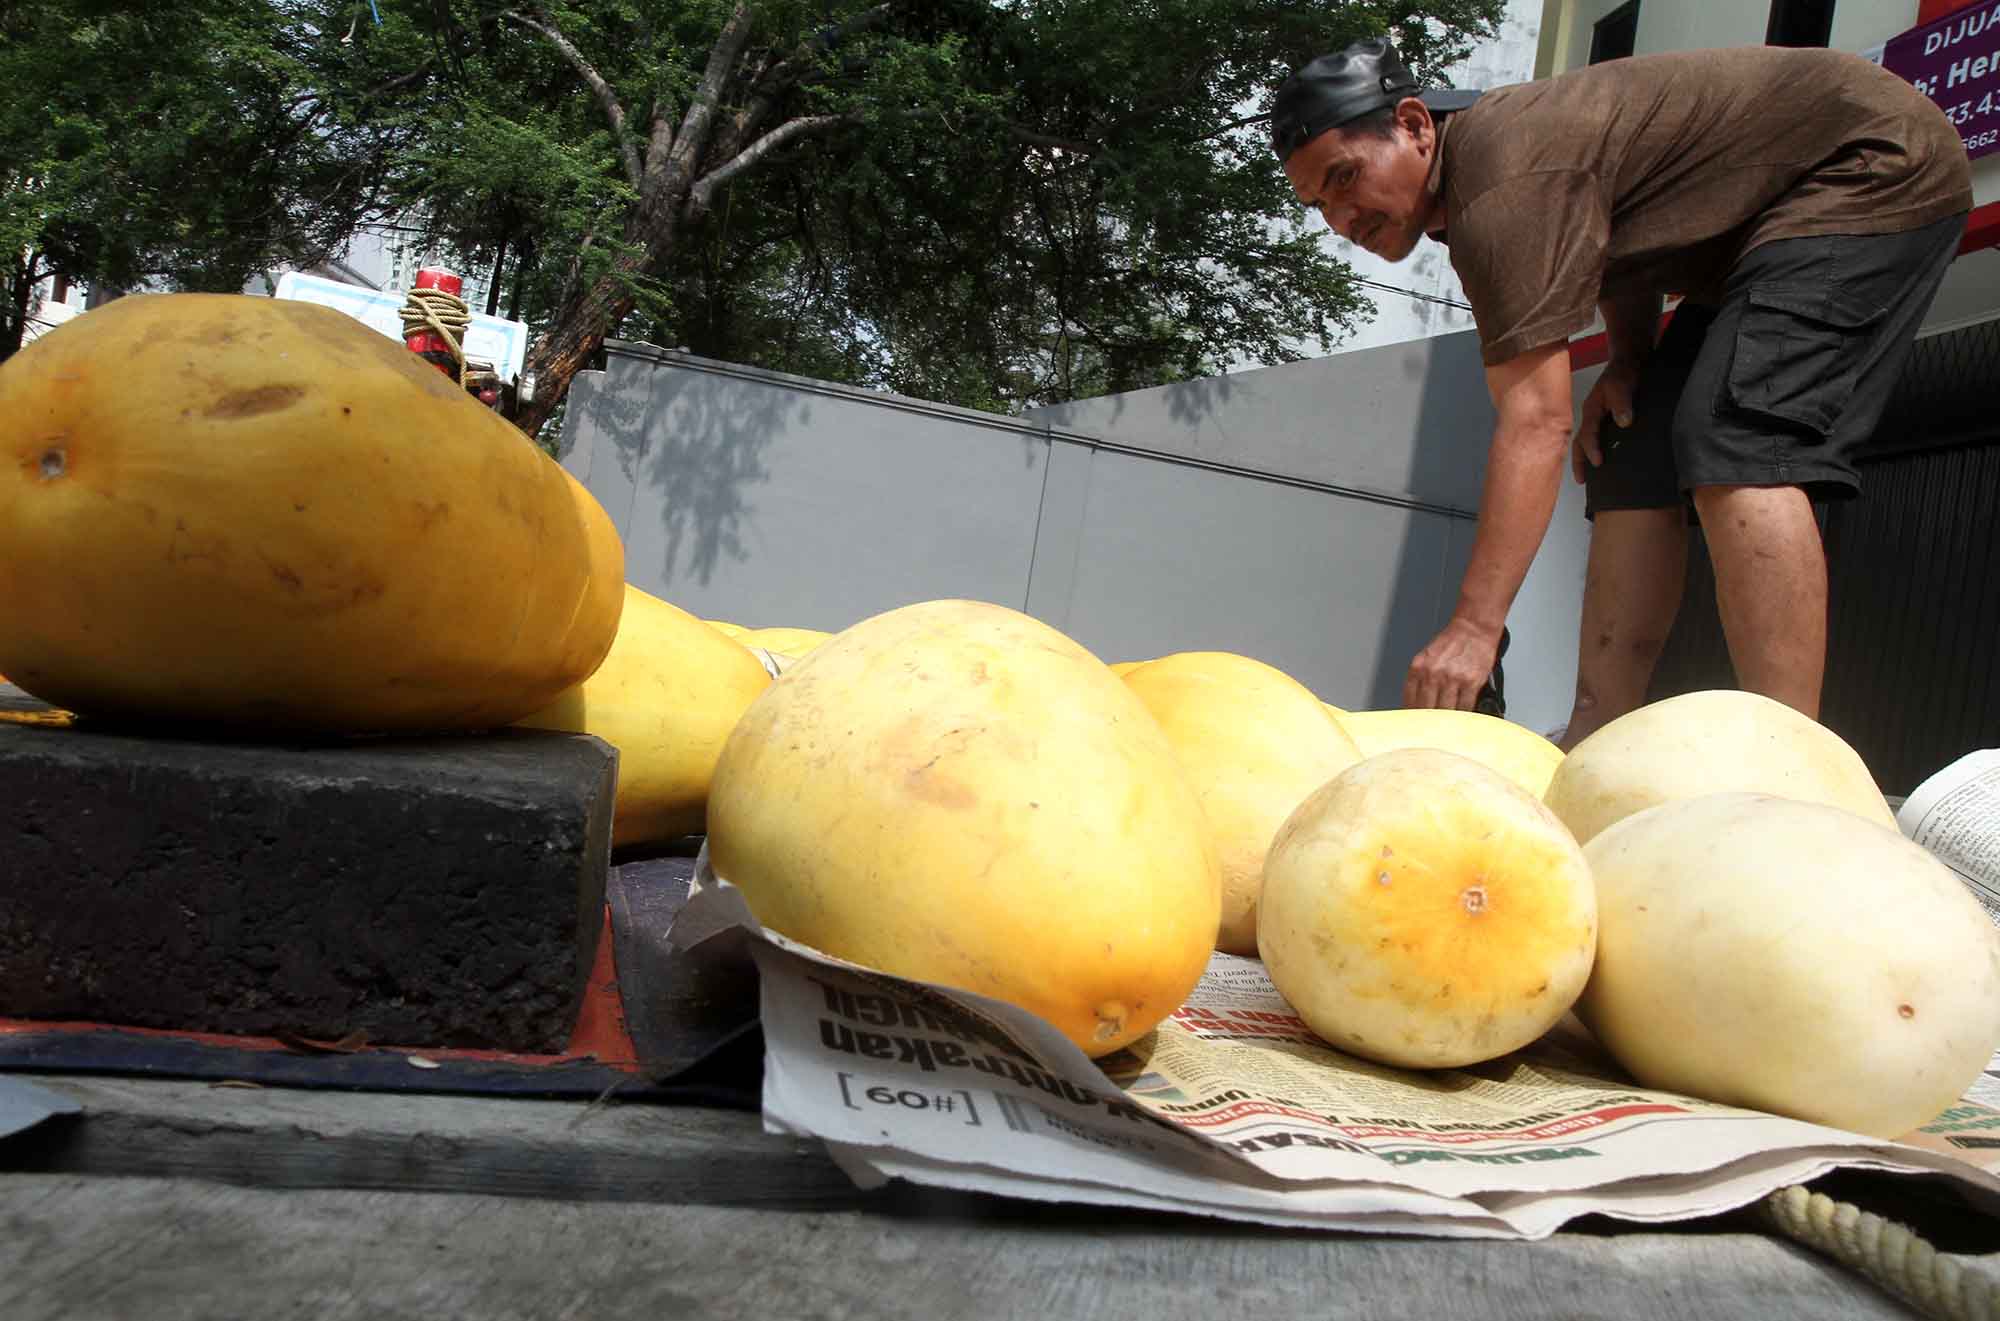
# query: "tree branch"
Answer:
x=1233 y=125
x=775 y=77
x=699 y=121
x=605 y=96
x=791 y=130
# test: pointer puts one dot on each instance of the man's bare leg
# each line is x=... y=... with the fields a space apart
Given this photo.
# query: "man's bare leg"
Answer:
x=1770 y=586
x=1631 y=593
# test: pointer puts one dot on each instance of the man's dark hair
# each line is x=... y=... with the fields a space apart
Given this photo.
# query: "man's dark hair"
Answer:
x=1376 y=123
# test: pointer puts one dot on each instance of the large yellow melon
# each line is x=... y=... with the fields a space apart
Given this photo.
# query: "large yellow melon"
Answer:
x=956 y=792
x=666 y=697
x=1424 y=911
x=1791 y=957
x=1517 y=752
x=1708 y=742
x=1254 y=743
x=264 y=514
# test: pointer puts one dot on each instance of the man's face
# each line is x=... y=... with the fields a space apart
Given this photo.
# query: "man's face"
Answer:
x=1372 y=191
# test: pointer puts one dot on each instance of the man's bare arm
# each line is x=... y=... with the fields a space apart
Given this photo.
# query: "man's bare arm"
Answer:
x=1531 y=392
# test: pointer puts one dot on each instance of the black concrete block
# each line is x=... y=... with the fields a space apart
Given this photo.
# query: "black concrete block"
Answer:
x=434 y=892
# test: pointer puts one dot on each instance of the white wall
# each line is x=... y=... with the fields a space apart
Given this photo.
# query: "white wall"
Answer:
x=1427 y=273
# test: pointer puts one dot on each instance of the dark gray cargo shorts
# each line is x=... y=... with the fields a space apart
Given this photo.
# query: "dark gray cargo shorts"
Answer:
x=1780 y=383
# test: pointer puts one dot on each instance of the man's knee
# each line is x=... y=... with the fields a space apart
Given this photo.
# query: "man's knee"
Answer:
x=1759 y=512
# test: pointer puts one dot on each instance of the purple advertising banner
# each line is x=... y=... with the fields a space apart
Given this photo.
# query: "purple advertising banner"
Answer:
x=1955 y=61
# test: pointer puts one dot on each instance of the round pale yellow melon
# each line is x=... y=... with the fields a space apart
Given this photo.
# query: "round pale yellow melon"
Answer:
x=262 y=514
x=666 y=697
x=956 y=792
x=1718 y=741
x=1790 y=957
x=1254 y=743
x=1517 y=752
x=792 y=642
x=1424 y=911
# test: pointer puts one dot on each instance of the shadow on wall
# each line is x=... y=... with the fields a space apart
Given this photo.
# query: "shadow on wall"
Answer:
x=691 y=445
x=1197 y=401
x=1449 y=434
x=1188 y=403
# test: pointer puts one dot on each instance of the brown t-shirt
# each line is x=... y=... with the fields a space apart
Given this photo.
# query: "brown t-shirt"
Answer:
x=1657 y=172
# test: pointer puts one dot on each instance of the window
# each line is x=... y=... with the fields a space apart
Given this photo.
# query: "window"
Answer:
x=1615 y=34
x=1799 y=23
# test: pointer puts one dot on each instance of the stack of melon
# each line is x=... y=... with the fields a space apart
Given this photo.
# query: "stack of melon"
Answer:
x=1768 y=937
x=955 y=792
x=1714 y=882
x=264 y=516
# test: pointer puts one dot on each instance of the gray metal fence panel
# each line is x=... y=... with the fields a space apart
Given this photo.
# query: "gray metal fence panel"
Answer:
x=1407 y=421
x=1336 y=592
x=1317 y=521
x=767 y=500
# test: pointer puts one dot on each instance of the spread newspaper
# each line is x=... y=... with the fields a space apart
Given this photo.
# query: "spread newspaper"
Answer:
x=1956 y=815
x=1233 y=1108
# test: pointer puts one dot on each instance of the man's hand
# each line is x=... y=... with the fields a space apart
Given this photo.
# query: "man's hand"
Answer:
x=1611 y=395
x=1631 y=325
x=1449 y=672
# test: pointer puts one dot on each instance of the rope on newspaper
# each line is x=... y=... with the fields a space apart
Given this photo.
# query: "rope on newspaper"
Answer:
x=1894 y=1258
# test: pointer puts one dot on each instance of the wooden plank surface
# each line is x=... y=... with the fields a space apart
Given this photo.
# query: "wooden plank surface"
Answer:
x=76 y=1247
x=186 y=1199
x=282 y=1138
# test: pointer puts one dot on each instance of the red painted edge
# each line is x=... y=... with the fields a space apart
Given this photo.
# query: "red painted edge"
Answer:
x=600 y=1031
x=1982 y=230
x=1930 y=11
x=1592 y=350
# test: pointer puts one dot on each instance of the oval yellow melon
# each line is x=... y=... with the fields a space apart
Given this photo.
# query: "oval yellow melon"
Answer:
x=1517 y=752
x=1718 y=741
x=1254 y=742
x=666 y=697
x=793 y=642
x=264 y=514
x=1123 y=668
x=1424 y=911
x=1790 y=957
x=958 y=793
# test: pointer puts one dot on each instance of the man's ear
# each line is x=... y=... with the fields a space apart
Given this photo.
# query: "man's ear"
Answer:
x=1415 y=118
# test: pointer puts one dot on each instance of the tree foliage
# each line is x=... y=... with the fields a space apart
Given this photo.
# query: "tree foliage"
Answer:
x=188 y=144
x=989 y=202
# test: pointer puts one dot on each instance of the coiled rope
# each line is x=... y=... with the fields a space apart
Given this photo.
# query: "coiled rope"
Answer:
x=441 y=313
x=1898 y=1261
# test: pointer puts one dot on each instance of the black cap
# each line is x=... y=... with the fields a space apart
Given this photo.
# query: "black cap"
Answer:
x=1334 y=89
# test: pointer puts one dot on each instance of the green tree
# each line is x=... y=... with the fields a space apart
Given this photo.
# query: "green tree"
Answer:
x=190 y=144
x=988 y=202
x=985 y=202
